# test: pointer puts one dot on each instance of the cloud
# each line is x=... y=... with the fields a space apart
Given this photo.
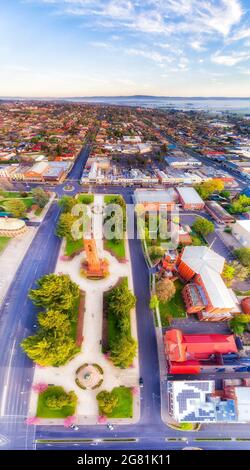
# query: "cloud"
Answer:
x=230 y=59
x=151 y=55
x=102 y=45
x=197 y=46
x=241 y=34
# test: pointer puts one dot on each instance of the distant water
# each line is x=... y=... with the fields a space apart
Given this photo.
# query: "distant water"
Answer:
x=223 y=105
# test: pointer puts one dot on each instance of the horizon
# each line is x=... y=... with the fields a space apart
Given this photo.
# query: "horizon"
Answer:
x=93 y=48
x=139 y=96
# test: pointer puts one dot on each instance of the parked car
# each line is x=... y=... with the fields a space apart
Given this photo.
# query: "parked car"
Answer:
x=74 y=427
x=141 y=382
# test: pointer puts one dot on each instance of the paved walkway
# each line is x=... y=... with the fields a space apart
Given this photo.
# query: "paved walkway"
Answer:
x=11 y=257
x=87 y=410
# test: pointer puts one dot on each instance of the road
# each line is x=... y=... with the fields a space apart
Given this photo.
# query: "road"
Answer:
x=17 y=319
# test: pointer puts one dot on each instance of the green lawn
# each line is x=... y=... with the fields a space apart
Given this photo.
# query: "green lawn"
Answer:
x=3 y=242
x=124 y=409
x=116 y=249
x=73 y=246
x=86 y=198
x=7 y=195
x=44 y=412
x=174 y=308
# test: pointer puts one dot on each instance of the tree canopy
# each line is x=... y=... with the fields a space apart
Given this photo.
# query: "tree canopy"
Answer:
x=123 y=351
x=40 y=197
x=203 y=226
x=67 y=203
x=240 y=205
x=165 y=290
x=207 y=188
x=55 y=291
x=16 y=207
x=107 y=401
x=64 y=225
x=243 y=254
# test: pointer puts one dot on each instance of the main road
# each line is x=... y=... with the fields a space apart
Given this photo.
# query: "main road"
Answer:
x=18 y=320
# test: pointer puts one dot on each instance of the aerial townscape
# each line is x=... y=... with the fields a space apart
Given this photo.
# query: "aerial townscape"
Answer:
x=125 y=261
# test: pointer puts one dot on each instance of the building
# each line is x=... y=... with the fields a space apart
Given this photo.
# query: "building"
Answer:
x=205 y=293
x=36 y=172
x=182 y=162
x=193 y=354
x=158 y=199
x=241 y=231
x=197 y=402
x=201 y=401
x=56 y=171
x=218 y=213
x=190 y=199
x=10 y=227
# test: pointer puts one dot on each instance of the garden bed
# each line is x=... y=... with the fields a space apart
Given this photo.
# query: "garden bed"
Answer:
x=116 y=249
x=80 y=320
x=43 y=411
x=124 y=408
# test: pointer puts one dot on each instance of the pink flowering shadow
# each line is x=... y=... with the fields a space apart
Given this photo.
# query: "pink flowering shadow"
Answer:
x=69 y=421
x=32 y=420
x=135 y=391
x=102 y=420
x=39 y=387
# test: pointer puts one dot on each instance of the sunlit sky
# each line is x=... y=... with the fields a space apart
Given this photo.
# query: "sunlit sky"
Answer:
x=124 y=47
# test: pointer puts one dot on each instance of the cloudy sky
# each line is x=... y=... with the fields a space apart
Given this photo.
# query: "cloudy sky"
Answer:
x=124 y=47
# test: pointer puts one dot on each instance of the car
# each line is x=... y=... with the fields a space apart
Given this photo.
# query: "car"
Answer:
x=110 y=427
x=74 y=427
x=141 y=382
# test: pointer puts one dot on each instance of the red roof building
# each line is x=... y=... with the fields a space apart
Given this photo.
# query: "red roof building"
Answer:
x=186 y=352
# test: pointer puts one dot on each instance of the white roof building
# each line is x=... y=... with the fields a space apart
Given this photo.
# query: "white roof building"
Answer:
x=158 y=196
x=241 y=231
x=189 y=196
x=243 y=403
x=209 y=265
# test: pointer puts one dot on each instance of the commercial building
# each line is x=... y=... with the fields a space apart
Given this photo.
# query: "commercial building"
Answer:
x=192 y=353
x=218 y=213
x=200 y=401
x=241 y=231
x=182 y=162
x=190 y=199
x=158 y=199
x=205 y=293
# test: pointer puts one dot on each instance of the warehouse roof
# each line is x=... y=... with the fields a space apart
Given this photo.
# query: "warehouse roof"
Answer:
x=156 y=196
x=189 y=195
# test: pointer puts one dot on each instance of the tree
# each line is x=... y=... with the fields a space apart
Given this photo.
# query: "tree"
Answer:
x=241 y=272
x=226 y=194
x=228 y=273
x=107 y=401
x=57 y=398
x=123 y=352
x=55 y=291
x=243 y=254
x=165 y=290
x=121 y=300
x=47 y=350
x=67 y=203
x=238 y=323
x=16 y=207
x=64 y=225
x=240 y=205
x=154 y=302
x=156 y=252
x=203 y=226
x=207 y=188
x=52 y=319
x=40 y=197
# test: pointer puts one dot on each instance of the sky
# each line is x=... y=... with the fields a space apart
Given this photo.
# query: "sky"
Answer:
x=72 y=48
